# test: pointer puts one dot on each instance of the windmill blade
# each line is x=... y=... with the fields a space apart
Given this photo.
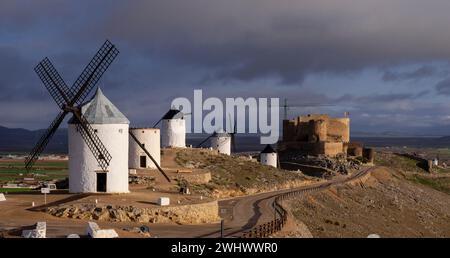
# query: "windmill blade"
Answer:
x=93 y=71
x=154 y=126
x=150 y=156
x=53 y=82
x=207 y=138
x=43 y=141
x=233 y=142
x=94 y=143
x=232 y=134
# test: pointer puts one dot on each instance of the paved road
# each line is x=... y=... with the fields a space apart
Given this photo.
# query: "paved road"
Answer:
x=241 y=214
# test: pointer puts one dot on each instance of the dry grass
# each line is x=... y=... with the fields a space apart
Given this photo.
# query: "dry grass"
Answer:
x=234 y=173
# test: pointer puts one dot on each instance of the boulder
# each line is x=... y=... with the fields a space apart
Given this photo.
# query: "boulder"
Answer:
x=163 y=201
x=41 y=229
x=38 y=232
x=106 y=233
x=2 y=197
x=27 y=233
x=94 y=231
x=92 y=228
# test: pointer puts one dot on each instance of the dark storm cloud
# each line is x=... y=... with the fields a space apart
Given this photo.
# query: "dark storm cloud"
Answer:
x=376 y=99
x=419 y=73
x=226 y=47
x=285 y=39
x=443 y=87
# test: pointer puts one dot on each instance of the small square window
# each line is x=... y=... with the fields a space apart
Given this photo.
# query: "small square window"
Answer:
x=120 y=130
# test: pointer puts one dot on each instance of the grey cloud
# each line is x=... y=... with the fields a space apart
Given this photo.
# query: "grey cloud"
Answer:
x=285 y=39
x=379 y=98
x=443 y=87
x=419 y=73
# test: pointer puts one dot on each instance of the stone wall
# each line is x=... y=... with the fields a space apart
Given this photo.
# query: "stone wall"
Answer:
x=182 y=214
x=201 y=178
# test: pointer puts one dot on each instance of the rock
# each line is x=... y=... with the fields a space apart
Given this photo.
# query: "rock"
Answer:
x=38 y=232
x=73 y=236
x=141 y=180
x=163 y=201
x=92 y=228
x=94 y=231
x=106 y=233
x=2 y=197
x=132 y=229
x=27 y=233
x=41 y=229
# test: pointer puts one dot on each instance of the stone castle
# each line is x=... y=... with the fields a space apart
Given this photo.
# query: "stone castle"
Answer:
x=316 y=134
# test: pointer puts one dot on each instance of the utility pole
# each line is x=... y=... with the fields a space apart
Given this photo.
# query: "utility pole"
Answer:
x=221 y=228
x=285 y=107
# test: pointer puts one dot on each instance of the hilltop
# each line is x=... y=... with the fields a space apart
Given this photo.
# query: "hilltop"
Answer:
x=398 y=199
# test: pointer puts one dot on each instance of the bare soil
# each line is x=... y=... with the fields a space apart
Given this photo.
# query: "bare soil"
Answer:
x=388 y=203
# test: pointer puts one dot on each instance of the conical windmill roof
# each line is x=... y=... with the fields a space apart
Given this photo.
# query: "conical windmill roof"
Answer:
x=100 y=110
x=221 y=133
x=173 y=114
x=268 y=149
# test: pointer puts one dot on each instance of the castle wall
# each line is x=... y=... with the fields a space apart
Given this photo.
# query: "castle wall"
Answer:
x=316 y=134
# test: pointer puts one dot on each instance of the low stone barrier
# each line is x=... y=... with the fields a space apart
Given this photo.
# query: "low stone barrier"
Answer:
x=182 y=214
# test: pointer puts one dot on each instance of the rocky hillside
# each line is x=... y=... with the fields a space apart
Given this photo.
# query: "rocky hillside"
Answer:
x=388 y=203
x=233 y=175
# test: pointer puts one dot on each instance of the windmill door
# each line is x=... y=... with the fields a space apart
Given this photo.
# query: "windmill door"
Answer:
x=101 y=182
x=143 y=161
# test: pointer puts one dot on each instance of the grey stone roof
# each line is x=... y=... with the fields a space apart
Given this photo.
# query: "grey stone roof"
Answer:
x=100 y=110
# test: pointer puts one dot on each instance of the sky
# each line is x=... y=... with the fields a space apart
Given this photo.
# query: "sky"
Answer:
x=384 y=61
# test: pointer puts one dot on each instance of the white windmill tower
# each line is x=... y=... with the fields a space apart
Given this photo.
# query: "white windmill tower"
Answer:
x=111 y=126
x=173 y=129
x=150 y=139
x=268 y=156
x=221 y=141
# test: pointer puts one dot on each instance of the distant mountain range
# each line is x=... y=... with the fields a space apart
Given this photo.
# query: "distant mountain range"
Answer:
x=23 y=140
x=389 y=134
x=20 y=140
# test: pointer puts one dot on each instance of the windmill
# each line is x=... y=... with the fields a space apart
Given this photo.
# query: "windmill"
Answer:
x=173 y=129
x=149 y=155
x=70 y=100
x=221 y=139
